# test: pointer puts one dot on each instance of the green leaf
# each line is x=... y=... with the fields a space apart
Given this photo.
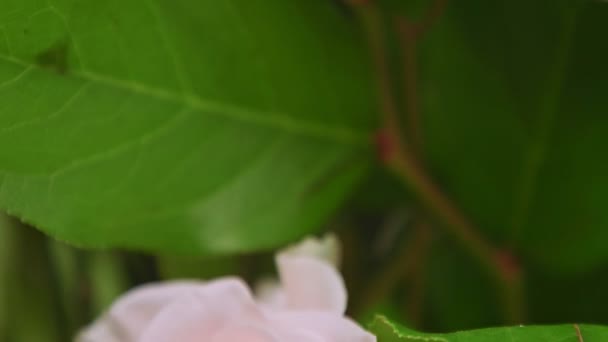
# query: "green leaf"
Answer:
x=388 y=331
x=515 y=125
x=455 y=281
x=188 y=126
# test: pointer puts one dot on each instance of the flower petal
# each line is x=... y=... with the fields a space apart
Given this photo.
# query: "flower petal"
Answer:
x=244 y=334
x=133 y=311
x=324 y=324
x=269 y=293
x=326 y=248
x=203 y=313
x=311 y=284
x=302 y=336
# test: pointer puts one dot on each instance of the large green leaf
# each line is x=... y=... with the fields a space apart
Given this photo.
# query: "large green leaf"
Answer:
x=180 y=125
x=388 y=331
x=515 y=124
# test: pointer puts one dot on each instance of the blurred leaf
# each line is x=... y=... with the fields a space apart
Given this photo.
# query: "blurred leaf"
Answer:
x=378 y=193
x=107 y=280
x=179 y=267
x=32 y=305
x=188 y=126
x=412 y=9
x=461 y=294
x=575 y=297
x=515 y=124
x=65 y=267
x=390 y=332
x=6 y=241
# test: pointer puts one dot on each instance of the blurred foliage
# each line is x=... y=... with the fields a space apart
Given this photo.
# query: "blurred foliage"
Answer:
x=190 y=139
x=514 y=123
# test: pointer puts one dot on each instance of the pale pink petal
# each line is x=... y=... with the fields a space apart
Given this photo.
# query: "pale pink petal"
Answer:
x=269 y=293
x=330 y=327
x=100 y=331
x=203 y=313
x=228 y=296
x=326 y=248
x=294 y=335
x=132 y=312
x=311 y=284
x=245 y=334
x=182 y=321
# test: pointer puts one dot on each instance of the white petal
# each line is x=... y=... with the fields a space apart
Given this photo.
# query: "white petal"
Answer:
x=327 y=248
x=269 y=293
x=311 y=284
x=245 y=334
x=302 y=336
x=133 y=311
x=327 y=326
x=198 y=316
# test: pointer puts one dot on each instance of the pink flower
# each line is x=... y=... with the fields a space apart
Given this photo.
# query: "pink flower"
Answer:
x=307 y=306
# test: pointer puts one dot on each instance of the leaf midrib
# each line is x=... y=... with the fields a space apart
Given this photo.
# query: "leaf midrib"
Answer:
x=276 y=120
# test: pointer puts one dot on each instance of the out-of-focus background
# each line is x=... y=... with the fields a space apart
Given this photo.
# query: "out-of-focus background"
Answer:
x=457 y=148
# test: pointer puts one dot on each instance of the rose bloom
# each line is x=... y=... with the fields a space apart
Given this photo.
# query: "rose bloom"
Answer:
x=306 y=306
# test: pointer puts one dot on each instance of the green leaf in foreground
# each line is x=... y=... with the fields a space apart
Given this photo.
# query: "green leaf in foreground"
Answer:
x=387 y=331
x=191 y=126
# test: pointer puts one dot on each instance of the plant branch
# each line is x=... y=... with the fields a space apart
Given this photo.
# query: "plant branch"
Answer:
x=400 y=157
x=410 y=33
x=408 y=37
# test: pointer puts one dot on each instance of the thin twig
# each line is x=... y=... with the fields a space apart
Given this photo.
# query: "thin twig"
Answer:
x=408 y=39
x=401 y=159
x=410 y=33
x=432 y=15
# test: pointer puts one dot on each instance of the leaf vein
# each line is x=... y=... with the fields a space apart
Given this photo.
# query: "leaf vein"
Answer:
x=178 y=208
x=169 y=49
x=65 y=106
x=125 y=146
x=17 y=78
x=276 y=120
